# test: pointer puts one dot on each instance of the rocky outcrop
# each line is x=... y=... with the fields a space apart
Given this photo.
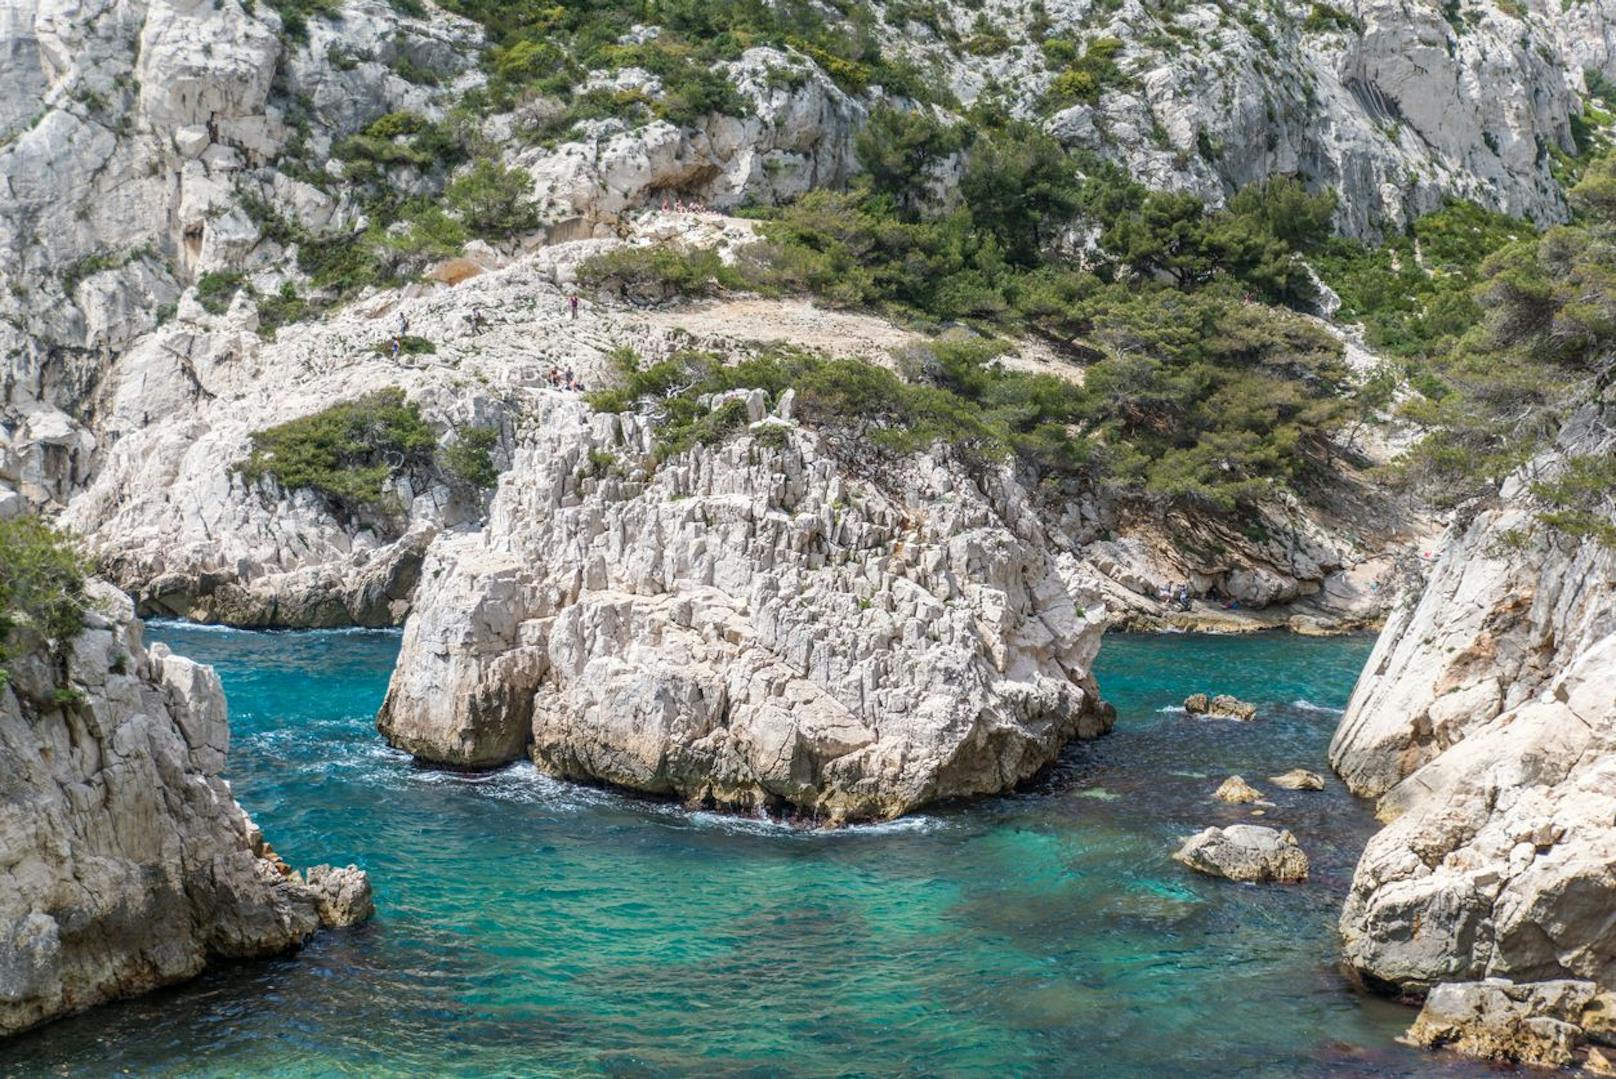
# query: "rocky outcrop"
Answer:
x=1485 y=722
x=125 y=862
x=760 y=624
x=1539 y=1024
x=797 y=135
x=1395 y=104
x=1221 y=706
x=1245 y=852
x=342 y=895
x=1237 y=791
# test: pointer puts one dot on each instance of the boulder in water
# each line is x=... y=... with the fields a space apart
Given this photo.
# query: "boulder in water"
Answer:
x=1221 y=706
x=341 y=895
x=1539 y=1024
x=1298 y=779
x=1245 y=852
x=1237 y=791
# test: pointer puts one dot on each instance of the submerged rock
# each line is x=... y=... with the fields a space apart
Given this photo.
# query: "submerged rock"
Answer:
x=1221 y=706
x=1298 y=779
x=754 y=625
x=128 y=863
x=1245 y=852
x=1237 y=791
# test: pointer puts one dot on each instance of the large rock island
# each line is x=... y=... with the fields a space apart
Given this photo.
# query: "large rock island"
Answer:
x=759 y=624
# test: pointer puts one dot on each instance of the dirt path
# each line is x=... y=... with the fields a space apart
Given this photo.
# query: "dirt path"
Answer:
x=843 y=333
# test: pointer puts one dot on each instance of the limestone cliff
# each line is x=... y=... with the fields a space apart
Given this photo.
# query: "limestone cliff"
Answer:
x=125 y=862
x=1485 y=723
x=760 y=624
x=144 y=145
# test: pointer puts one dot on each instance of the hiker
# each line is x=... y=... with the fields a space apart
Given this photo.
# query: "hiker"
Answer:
x=396 y=344
x=1184 y=596
x=476 y=319
x=572 y=304
x=403 y=324
x=567 y=378
x=1164 y=594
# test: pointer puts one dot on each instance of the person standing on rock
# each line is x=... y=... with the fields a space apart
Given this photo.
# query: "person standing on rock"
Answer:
x=572 y=304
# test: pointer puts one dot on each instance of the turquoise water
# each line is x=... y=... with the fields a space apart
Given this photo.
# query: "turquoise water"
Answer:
x=530 y=927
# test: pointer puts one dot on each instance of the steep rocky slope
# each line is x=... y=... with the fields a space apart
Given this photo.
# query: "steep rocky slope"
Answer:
x=183 y=531
x=147 y=144
x=758 y=625
x=1485 y=723
x=125 y=862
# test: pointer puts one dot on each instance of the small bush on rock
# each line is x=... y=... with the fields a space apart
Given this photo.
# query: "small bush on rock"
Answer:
x=492 y=201
x=657 y=274
x=469 y=460
x=215 y=290
x=41 y=580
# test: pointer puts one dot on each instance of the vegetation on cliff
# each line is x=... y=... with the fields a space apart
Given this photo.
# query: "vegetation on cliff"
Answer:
x=41 y=582
x=351 y=452
x=347 y=452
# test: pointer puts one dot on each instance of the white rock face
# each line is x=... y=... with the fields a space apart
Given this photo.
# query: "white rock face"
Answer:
x=798 y=136
x=1486 y=723
x=1398 y=105
x=758 y=625
x=127 y=863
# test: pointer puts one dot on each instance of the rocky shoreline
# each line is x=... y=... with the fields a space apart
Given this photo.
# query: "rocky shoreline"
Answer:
x=1485 y=726
x=128 y=864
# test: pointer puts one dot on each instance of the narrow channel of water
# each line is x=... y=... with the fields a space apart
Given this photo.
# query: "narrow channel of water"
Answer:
x=530 y=927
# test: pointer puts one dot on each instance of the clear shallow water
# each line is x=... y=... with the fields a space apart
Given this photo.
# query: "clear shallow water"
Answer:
x=532 y=927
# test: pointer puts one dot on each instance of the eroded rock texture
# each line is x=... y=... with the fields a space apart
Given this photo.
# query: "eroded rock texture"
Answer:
x=760 y=624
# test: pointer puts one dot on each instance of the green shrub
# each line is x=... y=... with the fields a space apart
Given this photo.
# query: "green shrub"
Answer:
x=280 y=309
x=469 y=460
x=41 y=581
x=347 y=452
x=956 y=397
x=1581 y=500
x=215 y=290
x=696 y=94
x=1322 y=17
x=493 y=201
x=1087 y=75
x=658 y=272
x=295 y=15
x=408 y=345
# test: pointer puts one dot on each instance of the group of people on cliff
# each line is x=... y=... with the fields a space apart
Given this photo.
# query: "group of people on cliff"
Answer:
x=1176 y=596
x=564 y=379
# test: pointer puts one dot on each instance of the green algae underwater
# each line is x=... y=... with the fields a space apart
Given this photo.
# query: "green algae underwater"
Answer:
x=531 y=927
